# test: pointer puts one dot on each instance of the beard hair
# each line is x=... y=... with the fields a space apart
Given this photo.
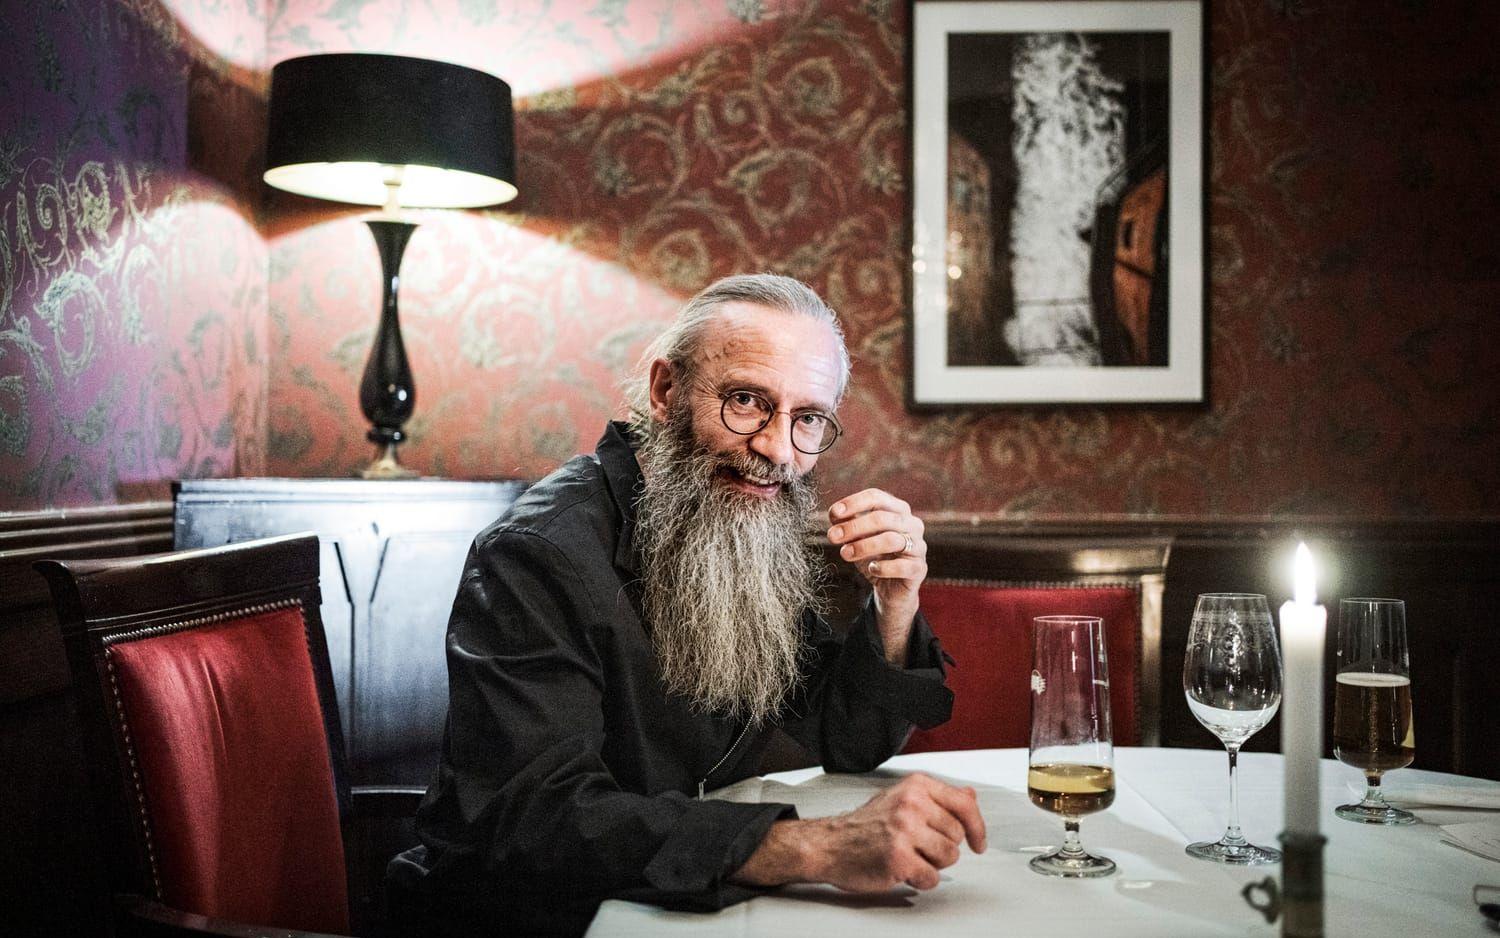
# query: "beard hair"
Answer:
x=727 y=576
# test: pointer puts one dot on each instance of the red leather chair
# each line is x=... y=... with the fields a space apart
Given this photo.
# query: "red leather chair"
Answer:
x=980 y=599
x=215 y=752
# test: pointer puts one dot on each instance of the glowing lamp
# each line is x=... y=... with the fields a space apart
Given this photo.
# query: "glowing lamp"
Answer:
x=392 y=131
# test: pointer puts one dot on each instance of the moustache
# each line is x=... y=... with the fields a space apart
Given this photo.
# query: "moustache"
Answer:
x=756 y=465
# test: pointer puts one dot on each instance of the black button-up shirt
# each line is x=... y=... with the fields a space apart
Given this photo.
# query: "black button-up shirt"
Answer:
x=568 y=773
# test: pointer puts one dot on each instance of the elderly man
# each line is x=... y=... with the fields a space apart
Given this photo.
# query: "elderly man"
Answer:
x=629 y=634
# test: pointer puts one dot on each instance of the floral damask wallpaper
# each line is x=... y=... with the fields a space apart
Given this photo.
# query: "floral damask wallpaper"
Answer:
x=132 y=274
x=660 y=145
x=663 y=143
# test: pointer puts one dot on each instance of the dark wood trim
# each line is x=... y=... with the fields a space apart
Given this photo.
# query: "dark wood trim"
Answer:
x=31 y=658
x=1443 y=567
x=48 y=834
x=133 y=593
x=1229 y=529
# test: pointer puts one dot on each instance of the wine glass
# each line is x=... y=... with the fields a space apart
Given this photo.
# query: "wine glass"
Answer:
x=1372 y=727
x=1231 y=675
x=1071 y=769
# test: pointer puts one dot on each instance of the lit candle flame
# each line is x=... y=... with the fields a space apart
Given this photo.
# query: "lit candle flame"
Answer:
x=1304 y=591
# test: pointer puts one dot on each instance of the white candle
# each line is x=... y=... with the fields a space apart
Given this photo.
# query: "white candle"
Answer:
x=1303 y=623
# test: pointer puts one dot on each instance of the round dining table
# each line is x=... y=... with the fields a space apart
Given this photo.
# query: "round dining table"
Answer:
x=1379 y=881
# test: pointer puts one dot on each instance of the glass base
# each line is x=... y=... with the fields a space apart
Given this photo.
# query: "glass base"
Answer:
x=1374 y=814
x=1235 y=854
x=1072 y=866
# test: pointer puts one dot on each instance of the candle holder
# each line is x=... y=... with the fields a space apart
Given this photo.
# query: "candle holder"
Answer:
x=1299 y=900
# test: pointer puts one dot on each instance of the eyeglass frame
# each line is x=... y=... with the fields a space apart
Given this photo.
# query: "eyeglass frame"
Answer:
x=771 y=413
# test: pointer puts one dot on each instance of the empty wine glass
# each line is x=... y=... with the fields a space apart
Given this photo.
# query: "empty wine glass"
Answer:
x=1372 y=727
x=1231 y=675
x=1071 y=769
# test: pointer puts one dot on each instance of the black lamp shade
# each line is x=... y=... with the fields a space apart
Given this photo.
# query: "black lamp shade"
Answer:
x=340 y=122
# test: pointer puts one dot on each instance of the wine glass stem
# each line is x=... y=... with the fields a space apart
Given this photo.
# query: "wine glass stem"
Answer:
x=1374 y=797
x=1072 y=846
x=1232 y=834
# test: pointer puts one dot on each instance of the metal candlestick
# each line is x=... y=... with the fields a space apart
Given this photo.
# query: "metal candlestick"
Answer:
x=1299 y=900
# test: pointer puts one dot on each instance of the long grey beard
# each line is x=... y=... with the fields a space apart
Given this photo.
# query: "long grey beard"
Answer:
x=726 y=577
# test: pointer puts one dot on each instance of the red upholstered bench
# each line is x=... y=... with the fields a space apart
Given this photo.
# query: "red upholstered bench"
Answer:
x=985 y=584
x=987 y=628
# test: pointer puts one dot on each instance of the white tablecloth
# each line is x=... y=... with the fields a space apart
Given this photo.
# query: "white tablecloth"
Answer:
x=1381 y=881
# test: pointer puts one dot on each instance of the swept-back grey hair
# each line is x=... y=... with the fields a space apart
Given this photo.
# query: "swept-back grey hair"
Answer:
x=680 y=342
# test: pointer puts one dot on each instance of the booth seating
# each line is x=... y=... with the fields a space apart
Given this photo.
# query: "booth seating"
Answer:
x=981 y=597
x=983 y=590
x=986 y=626
x=216 y=758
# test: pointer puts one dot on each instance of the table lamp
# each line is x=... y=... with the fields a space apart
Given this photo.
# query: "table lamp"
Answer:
x=393 y=131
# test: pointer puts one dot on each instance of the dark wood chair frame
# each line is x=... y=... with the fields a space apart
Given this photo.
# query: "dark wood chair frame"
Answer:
x=100 y=602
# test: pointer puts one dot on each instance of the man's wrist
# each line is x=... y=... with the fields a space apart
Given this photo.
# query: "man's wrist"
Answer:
x=786 y=854
x=895 y=638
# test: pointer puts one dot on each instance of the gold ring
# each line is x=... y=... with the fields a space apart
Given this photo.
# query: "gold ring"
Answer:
x=909 y=545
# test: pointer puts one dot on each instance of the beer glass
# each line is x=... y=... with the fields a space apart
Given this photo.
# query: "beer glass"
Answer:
x=1071 y=769
x=1372 y=726
x=1231 y=675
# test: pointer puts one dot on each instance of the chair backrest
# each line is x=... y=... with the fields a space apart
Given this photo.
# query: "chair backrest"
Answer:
x=212 y=731
x=980 y=599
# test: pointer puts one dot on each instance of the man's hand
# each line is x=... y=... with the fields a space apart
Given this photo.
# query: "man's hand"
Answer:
x=884 y=540
x=905 y=834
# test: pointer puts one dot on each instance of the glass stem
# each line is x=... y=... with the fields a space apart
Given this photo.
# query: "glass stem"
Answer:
x=1232 y=834
x=1374 y=797
x=1072 y=846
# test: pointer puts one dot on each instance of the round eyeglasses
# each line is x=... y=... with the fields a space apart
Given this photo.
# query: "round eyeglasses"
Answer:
x=748 y=413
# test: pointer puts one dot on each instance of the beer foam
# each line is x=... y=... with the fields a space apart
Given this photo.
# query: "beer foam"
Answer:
x=1371 y=679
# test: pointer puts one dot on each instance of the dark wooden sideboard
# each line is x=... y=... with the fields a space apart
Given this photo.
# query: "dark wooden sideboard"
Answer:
x=392 y=552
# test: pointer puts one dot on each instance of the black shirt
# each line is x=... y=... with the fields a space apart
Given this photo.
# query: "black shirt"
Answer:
x=568 y=774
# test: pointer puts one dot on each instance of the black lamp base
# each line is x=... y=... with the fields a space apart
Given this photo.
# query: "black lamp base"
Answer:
x=387 y=393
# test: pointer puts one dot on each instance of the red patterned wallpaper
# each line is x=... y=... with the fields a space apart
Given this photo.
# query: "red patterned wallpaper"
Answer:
x=1351 y=271
x=132 y=274
x=664 y=143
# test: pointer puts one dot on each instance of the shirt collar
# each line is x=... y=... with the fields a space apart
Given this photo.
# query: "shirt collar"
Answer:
x=622 y=475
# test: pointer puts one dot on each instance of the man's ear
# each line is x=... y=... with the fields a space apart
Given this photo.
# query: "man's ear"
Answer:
x=663 y=388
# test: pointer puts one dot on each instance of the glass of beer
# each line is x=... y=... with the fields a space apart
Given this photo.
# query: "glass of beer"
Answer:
x=1071 y=771
x=1231 y=675
x=1372 y=727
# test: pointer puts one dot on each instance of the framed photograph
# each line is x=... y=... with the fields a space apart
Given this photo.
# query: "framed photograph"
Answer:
x=1057 y=202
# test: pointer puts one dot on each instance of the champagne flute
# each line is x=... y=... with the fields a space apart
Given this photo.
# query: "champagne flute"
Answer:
x=1071 y=769
x=1231 y=675
x=1372 y=726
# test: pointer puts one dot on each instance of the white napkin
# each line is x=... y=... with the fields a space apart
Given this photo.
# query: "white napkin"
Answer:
x=1481 y=838
x=1425 y=795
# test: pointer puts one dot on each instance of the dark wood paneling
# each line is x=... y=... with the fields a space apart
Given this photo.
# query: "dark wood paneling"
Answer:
x=1444 y=570
x=54 y=884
